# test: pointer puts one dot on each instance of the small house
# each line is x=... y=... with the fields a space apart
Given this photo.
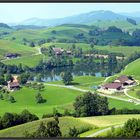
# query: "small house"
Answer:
x=14 y=84
x=125 y=80
x=58 y=51
x=112 y=87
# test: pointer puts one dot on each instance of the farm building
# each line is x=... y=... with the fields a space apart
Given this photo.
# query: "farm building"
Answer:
x=118 y=85
x=60 y=51
x=112 y=87
x=14 y=84
x=124 y=80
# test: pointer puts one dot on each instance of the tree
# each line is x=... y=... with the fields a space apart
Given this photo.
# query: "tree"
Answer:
x=53 y=129
x=8 y=77
x=11 y=99
x=67 y=78
x=39 y=98
x=73 y=132
x=91 y=105
x=32 y=44
x=27 y=116
x=1 y=96
x=7 y=120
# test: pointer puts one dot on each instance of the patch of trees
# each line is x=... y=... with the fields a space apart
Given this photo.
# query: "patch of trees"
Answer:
x=114 y=29
x=132 y=21
x=131 y=129
x=10 y=119
x=115 y=111
x=52 y=129
x=91 y=104
x=67 y=77
x=39 y=98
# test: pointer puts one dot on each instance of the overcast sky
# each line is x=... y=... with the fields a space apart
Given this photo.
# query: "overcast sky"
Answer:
x=16 y=12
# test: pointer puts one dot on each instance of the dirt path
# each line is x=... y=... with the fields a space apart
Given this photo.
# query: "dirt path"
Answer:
x=104 y=130
x=82 y=90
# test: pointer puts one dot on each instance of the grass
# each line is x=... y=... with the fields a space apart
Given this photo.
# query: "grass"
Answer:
x=65 y=124
x=133 y=69
x=83 y=82
x=110 y=120
x=12 y=47
x=133 y=92
x=126 y=50
x=118 y=104
x=25 y=99
x=88 y=124
x=30 y=61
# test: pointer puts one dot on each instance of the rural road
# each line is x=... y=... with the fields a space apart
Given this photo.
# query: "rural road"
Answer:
x=104 y=130
x=82 y=90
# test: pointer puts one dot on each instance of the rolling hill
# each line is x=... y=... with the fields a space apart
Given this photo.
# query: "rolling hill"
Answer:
x=85 y=123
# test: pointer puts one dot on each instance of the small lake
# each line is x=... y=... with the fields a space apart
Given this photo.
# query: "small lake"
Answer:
x=55 y=74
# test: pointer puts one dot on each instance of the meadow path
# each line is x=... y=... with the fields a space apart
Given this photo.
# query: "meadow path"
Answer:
x=104 y=130
x=83 y=90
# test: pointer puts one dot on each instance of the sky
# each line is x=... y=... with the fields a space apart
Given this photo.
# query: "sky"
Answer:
x=18 y=12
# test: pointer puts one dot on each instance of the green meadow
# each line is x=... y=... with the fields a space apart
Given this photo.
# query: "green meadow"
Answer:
x=30 y=61
x=25 y=99
x=89 y=124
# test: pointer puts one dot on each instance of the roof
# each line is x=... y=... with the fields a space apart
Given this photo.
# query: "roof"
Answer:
x=113 y=85
x=123 y=79
x=59 y=50
x=14 y=84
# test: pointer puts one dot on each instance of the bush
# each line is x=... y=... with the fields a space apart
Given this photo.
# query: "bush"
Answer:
x=47 y=115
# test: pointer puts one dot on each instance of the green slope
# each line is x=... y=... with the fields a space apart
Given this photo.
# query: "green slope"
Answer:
x=66 y=122
x=12 y=47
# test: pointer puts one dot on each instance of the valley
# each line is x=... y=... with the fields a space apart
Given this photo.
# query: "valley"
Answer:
x=68 y=71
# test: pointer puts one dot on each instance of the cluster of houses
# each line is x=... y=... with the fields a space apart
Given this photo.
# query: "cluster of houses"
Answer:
x=118 y=85
x=60 y=51
x=103 y=56
x=13 y=84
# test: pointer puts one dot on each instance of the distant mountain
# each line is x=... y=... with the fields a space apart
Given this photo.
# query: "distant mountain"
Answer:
x=21 y=27
x=134 y=14
x=76 y=19
x=3 y=25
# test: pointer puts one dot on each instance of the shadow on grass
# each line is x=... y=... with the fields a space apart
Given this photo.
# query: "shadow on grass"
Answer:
x=74 y=83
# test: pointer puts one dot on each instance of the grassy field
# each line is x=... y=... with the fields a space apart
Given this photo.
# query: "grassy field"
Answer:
x=126 y=50
x=12 y=47
x=25 y=99
x=122 y=104
x=133 y=92
x=83 y=82
x=65 y=124
x=30 y=61
x=91 y=123
x=133 y=69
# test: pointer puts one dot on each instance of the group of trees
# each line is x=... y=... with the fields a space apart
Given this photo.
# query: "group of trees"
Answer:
x=91 y=105
x=52 y=129
x=10 y=119
x=131 y=129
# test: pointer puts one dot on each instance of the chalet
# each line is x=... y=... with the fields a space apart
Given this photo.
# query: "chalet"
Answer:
x=12 y=55
x=14 y=84
x=112 y=87
x=125 y=80
x=58 y=51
